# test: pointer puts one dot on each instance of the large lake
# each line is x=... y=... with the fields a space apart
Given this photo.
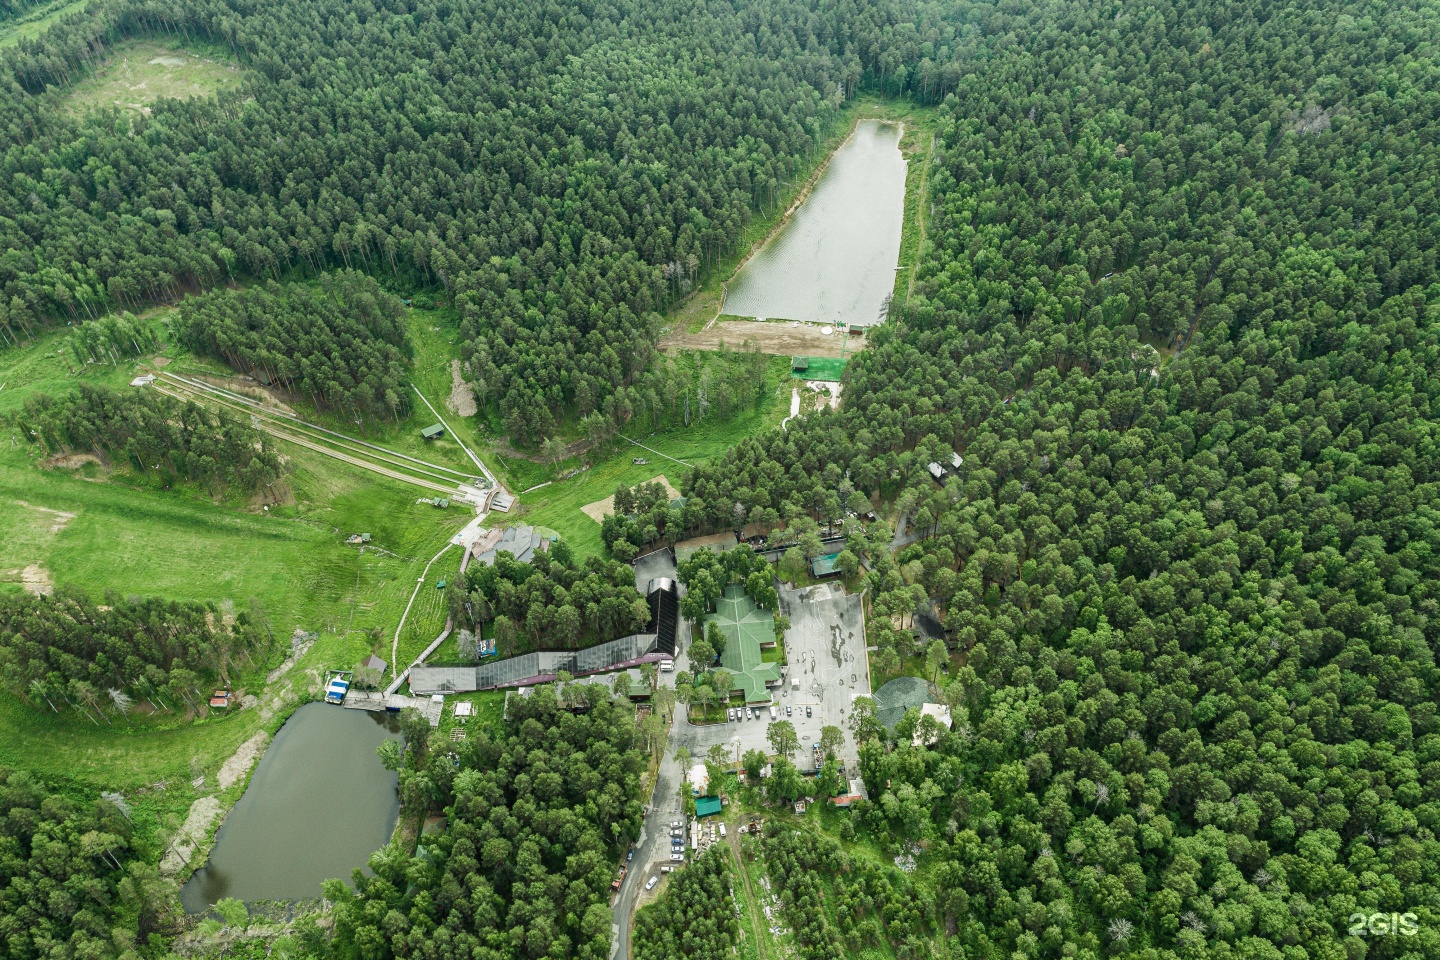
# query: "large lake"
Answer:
x=319 y=804
x=835 y=260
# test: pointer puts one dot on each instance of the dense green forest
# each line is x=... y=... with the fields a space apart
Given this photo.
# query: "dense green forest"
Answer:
x=341 y=344
x=67 y=651
x=1196 y=598
x=71 y=881
x=838 y=904
x=1178 y=308
x=563 y=172
x=153 y=432
x=694 y=918
x=536 y=817
x=552 y=602
x=111 y=338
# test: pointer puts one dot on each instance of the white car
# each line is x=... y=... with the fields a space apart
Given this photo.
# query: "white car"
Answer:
x=678 y=857
x=650 y=884
x=722 y=829
x=732 y=714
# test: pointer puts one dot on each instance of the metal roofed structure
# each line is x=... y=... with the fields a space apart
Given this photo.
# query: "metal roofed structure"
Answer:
x=528 y=669
x=522 y=541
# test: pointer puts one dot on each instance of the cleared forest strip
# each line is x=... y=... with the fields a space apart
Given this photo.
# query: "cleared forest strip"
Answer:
x=275 y=431
x=290 y=426
x=292 y=422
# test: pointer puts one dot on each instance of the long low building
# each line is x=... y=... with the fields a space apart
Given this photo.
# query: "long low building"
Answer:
x=657 y=643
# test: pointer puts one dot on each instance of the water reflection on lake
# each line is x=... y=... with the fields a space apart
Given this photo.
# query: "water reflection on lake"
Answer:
x=835 y=260
x=319 y=804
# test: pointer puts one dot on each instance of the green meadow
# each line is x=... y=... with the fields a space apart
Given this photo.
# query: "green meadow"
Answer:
x=103 y=527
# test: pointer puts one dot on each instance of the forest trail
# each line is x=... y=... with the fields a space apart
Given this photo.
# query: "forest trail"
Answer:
x=395 y=641
x=794 y=407
x=757 y=920
x=494 y=482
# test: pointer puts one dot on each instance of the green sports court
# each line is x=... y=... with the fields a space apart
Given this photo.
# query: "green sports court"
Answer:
x=746 y=627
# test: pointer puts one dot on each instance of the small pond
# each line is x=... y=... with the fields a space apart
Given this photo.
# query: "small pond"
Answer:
x=834 y=261
x=319 y=804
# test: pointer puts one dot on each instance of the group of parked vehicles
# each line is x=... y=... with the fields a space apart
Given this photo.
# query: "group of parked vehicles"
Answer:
x=737 y=714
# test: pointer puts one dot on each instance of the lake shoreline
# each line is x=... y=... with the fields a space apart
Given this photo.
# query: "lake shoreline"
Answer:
x=806 y=189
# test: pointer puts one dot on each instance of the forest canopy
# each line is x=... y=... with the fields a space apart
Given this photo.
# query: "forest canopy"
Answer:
x=72 y=883
x=153 y=432
x=68 y=651
x=341 y=343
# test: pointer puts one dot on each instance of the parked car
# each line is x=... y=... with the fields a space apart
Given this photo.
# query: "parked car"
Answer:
x=722 y=829
x=630 y=854
x=787 y=710
x=667 y=869
x=807 y=711
x=650 y=884
x=773 y=712
x=678 y=857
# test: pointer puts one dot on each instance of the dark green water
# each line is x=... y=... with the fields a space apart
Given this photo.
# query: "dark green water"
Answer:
x=835 y=260
x=319 y=804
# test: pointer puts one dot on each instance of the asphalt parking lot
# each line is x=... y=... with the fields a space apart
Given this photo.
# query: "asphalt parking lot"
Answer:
x=825 y=647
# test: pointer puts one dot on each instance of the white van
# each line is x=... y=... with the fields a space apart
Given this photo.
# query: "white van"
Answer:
x=773 y=714
x=667 y=666
x=722 y=830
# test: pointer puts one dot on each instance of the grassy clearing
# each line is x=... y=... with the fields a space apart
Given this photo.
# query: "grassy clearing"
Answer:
x=34 y=22
x=129 y=537
x=142 y=72
x=922 y=126
x=558 y=506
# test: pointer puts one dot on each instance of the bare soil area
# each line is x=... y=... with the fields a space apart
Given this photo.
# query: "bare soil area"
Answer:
x=596 y=511
x=779 y=339
x=34 y=579
x=197 y=828
x=462 y=398
x=242 y=760
x=69 y=461
x=246 y=386
x=61 y=517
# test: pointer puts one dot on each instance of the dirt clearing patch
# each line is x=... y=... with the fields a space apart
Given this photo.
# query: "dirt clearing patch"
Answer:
x=60 y=516
x=69 y=461
x=462 y=398
x=778 y=339
x=246 y=386
x=36 y=579
x=596 y=511
x=242 y=760
x=197 y=828
x=140 y=73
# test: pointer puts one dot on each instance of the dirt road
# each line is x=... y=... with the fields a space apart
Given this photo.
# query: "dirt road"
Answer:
x=780 y=339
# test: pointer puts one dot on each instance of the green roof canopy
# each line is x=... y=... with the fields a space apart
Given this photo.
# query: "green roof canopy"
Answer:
x=707 y=806
x=746 y=627
x=433 y=431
